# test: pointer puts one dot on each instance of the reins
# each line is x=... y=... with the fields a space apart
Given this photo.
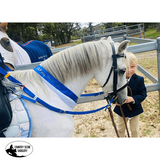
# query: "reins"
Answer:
x=121 y=109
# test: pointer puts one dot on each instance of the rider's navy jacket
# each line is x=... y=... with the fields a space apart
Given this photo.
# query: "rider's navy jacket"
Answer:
x=138 y=88
x=41 y=50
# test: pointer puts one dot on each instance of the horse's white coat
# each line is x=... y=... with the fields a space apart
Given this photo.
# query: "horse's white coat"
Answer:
x=22 y=56
x=18 y=57
x=47 y=123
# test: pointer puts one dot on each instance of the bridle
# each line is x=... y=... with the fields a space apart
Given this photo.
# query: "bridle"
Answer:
x=113 y=95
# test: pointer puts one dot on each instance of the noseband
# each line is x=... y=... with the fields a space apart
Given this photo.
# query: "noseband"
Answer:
x=115 y=72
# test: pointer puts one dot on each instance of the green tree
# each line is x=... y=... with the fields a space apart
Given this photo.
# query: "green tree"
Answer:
x=48 y=30
x=22 y=31
x=61 y=32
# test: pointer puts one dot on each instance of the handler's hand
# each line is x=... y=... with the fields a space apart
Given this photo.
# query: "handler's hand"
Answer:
x=129 y=99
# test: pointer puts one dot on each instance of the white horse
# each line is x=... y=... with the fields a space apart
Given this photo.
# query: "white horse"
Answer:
x=8 y=46
x=73 y=67
x=30 y=52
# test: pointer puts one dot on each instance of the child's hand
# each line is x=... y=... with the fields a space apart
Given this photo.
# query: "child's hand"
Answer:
x=129 y=99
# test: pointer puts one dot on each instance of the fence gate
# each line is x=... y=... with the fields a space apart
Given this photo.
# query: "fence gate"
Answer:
x=143 y=45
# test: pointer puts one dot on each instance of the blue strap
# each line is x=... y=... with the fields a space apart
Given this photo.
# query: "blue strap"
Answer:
x=52 y=108
x=54 y=82
x=72 y=112
x=4 y=73
x=37 y=99
x=92 y=94
x=28 y=99
x=8 y=69
x=29 y=117
x=82 y=95
x=58 y=85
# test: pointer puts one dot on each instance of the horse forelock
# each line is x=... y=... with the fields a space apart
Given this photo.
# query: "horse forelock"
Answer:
x=77 y=60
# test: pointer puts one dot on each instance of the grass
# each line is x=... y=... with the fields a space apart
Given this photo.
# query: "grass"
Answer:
x=150 y=64
x=146 y=132
x=152 y=33
x=131 y=44
x=78 y=42
x=69 y=44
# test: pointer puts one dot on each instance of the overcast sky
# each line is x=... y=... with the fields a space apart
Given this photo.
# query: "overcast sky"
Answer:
x=85 y=24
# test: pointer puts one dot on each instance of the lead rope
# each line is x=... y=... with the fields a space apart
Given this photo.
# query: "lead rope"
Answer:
x=124 y=120
x=114 y=125
x=112 y=118
x=128 y=105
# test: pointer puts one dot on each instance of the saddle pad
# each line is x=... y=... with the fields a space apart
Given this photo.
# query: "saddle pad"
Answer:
x=21 y=125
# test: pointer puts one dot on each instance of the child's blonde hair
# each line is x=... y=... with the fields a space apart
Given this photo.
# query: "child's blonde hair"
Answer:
x=131 y=58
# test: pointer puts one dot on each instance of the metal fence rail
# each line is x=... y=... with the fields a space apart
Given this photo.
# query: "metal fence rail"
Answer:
x=150 y=45
x=144 y=46
x=104 y=31
x=130 y=31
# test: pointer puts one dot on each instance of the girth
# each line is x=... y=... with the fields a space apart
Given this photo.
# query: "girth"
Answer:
x=5 y=107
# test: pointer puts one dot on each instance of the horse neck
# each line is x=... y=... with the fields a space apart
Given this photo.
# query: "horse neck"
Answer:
x=74 y=72
x=78 y=84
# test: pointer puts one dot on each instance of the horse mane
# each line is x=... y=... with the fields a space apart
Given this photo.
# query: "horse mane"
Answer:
x=76 y=61
x=72 y=62
x=69 y=63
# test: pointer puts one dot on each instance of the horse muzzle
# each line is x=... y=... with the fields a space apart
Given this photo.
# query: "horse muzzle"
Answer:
x=117 y=99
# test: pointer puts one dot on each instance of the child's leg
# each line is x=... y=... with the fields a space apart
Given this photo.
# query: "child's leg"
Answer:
x=134 y=126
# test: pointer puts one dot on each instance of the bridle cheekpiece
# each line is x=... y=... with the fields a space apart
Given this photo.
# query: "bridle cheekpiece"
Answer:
x=113 y=95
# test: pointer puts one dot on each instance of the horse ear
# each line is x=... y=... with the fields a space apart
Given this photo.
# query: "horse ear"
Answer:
x=123 y=45
x=109 y=39
x=103 y=38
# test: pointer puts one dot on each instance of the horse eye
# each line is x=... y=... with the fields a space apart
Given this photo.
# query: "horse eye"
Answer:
x=122 y=71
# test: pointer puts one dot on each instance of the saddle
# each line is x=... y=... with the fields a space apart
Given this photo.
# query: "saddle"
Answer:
x=5 y=107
